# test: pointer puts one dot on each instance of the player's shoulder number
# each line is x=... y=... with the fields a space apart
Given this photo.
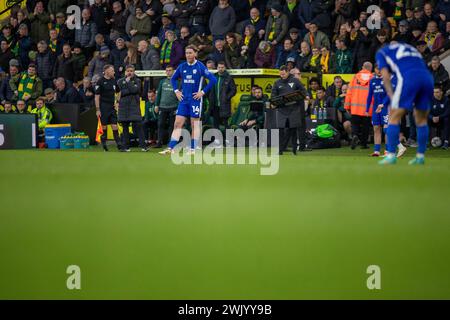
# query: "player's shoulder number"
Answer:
x=406 y=51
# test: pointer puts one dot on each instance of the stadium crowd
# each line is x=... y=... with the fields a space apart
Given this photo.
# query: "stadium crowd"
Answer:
x=43 y=60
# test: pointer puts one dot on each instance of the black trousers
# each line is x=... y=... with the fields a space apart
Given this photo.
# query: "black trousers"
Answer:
x=442 y=128
x=286 y=135
x=165 y=125
x=360 y=127
x=137 y=129
x=150 y=129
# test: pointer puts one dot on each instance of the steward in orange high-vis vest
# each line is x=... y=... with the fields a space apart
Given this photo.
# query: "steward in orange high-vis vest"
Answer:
x=355 y=103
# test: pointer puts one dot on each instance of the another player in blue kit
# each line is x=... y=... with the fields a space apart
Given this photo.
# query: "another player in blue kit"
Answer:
x=414 y=90
x=378 y=99
x=192 y=74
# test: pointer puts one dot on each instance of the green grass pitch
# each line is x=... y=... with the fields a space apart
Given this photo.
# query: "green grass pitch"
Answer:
x=140 y=227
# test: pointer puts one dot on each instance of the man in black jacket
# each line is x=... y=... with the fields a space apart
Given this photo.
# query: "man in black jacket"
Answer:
x=440 y=75
x=439 y=115
x=291 y=117
x=65 y=92
x=220 y=96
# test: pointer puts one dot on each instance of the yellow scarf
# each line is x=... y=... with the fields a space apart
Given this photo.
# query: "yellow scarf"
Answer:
x=324 y=63
x=247 y=40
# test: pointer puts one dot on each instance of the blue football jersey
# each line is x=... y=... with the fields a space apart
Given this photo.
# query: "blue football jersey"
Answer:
x=192 y=76
x=401 y=59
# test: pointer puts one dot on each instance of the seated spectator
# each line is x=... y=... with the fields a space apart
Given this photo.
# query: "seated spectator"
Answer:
x=204 y=46
x=335 y=89
x=118 y=20
x=8 y=107
x=248 y=46
x=315 y=37
x=295 y=37
x=304 y=56
x=118 y=55
x=232 y=52
x=138 y=26
x=167 y=25
x=65 y=92
x=55 y=43
x=222 y=20
x=151 y=121
x=322 y=101
x=439 y=115
x=313 y=63
x=44 y=114
x=426 y=53
x=22 y=107
x=86 y=34
x=29 y=87
x=171 y=51
x=218 y=53
x=5 y=55
x=40 y=20
x=65 y=66
x=265 y=55
x=343 y=57
x=97 y=64
x=287 y=52
x=6 y=92
x=434 y=39
x=255 y=119
x=258 y=23
x=86 y=91
x=45 y=61
x=327 y=61
x=314 y=85
x=343 y=116
x=440 y=75
x=50 y=97
x=277 y=25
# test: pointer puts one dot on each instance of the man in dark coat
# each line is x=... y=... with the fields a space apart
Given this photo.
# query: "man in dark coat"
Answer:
x=66 y=93
x=129 y=108
x=290 y=117
x=220 y=96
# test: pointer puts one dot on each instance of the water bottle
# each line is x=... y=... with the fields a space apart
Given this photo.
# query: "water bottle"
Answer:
x=314 y=116
x=320 y=114
x=324 y=114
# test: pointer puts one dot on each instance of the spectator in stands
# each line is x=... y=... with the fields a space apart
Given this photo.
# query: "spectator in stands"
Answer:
x=8 y=107
x=428 y=14
x=322 y=100
x=211 y=65
x=222 y=20
x=232 y=51
x=101 y=15
x=343 y=57
x=313 y=63
x=118 y=55
x=294 y=36
x=132 y=56
x=6 y=92
x=23 y=19
x=315 y=37
x=149 y=56
x=39 y=23
x=344 y=11
x=22 y=107
x=199 y=16
x=24 y=45
x=45 y=61
x=65 y=66
x=165 y=26
x=314 y=85
x=204 y=45
x=79 y=61
x=65 y=92
x=150 y=121
x=29 y=87
x=335 y=89
x=440 y=75
x=439 y=115
x=265 y=55
x=64 y=33
x=165 y=106
x=55 y=43
x=403 y=34
x=118 y=20
x=343 y=116
x=181 y=13
x=287 y=52
x=344 y=33
x=138 y=26
x=218 y=53
x=277 y=27
x=5 y=55
x=153 y=9
x=86 y=92
x=56 y=6
x=355 y=103
x=248 y=46
x=327 y=61
x=242 y=10
x=424 y=50
x=220 y=96
x=171 y=51
x=100 y=42
x=184 y=37
x=86 y=34
x=50 y=96
x=256 y=21
x=434 y=39
x=377 y=43
x=97 y=64
x=255 y=119
x=303 y=56
x=8 y=35
x=44 y=114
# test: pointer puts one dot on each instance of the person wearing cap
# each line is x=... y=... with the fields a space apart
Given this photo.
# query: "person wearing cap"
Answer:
x=295 y=37
x=118 y=55
x=403 y=34
x=222 y=20
x=418 y=20
x=277 y=27
x=29 y=87
x=166 y=25
x=50 y=97
x=39 y=23
x=66 y=34
x=139 y=26
x=96 y=65
x=56 y=6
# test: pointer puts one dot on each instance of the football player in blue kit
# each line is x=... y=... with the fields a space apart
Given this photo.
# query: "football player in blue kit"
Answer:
x=414 y=89
x=190 y=96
